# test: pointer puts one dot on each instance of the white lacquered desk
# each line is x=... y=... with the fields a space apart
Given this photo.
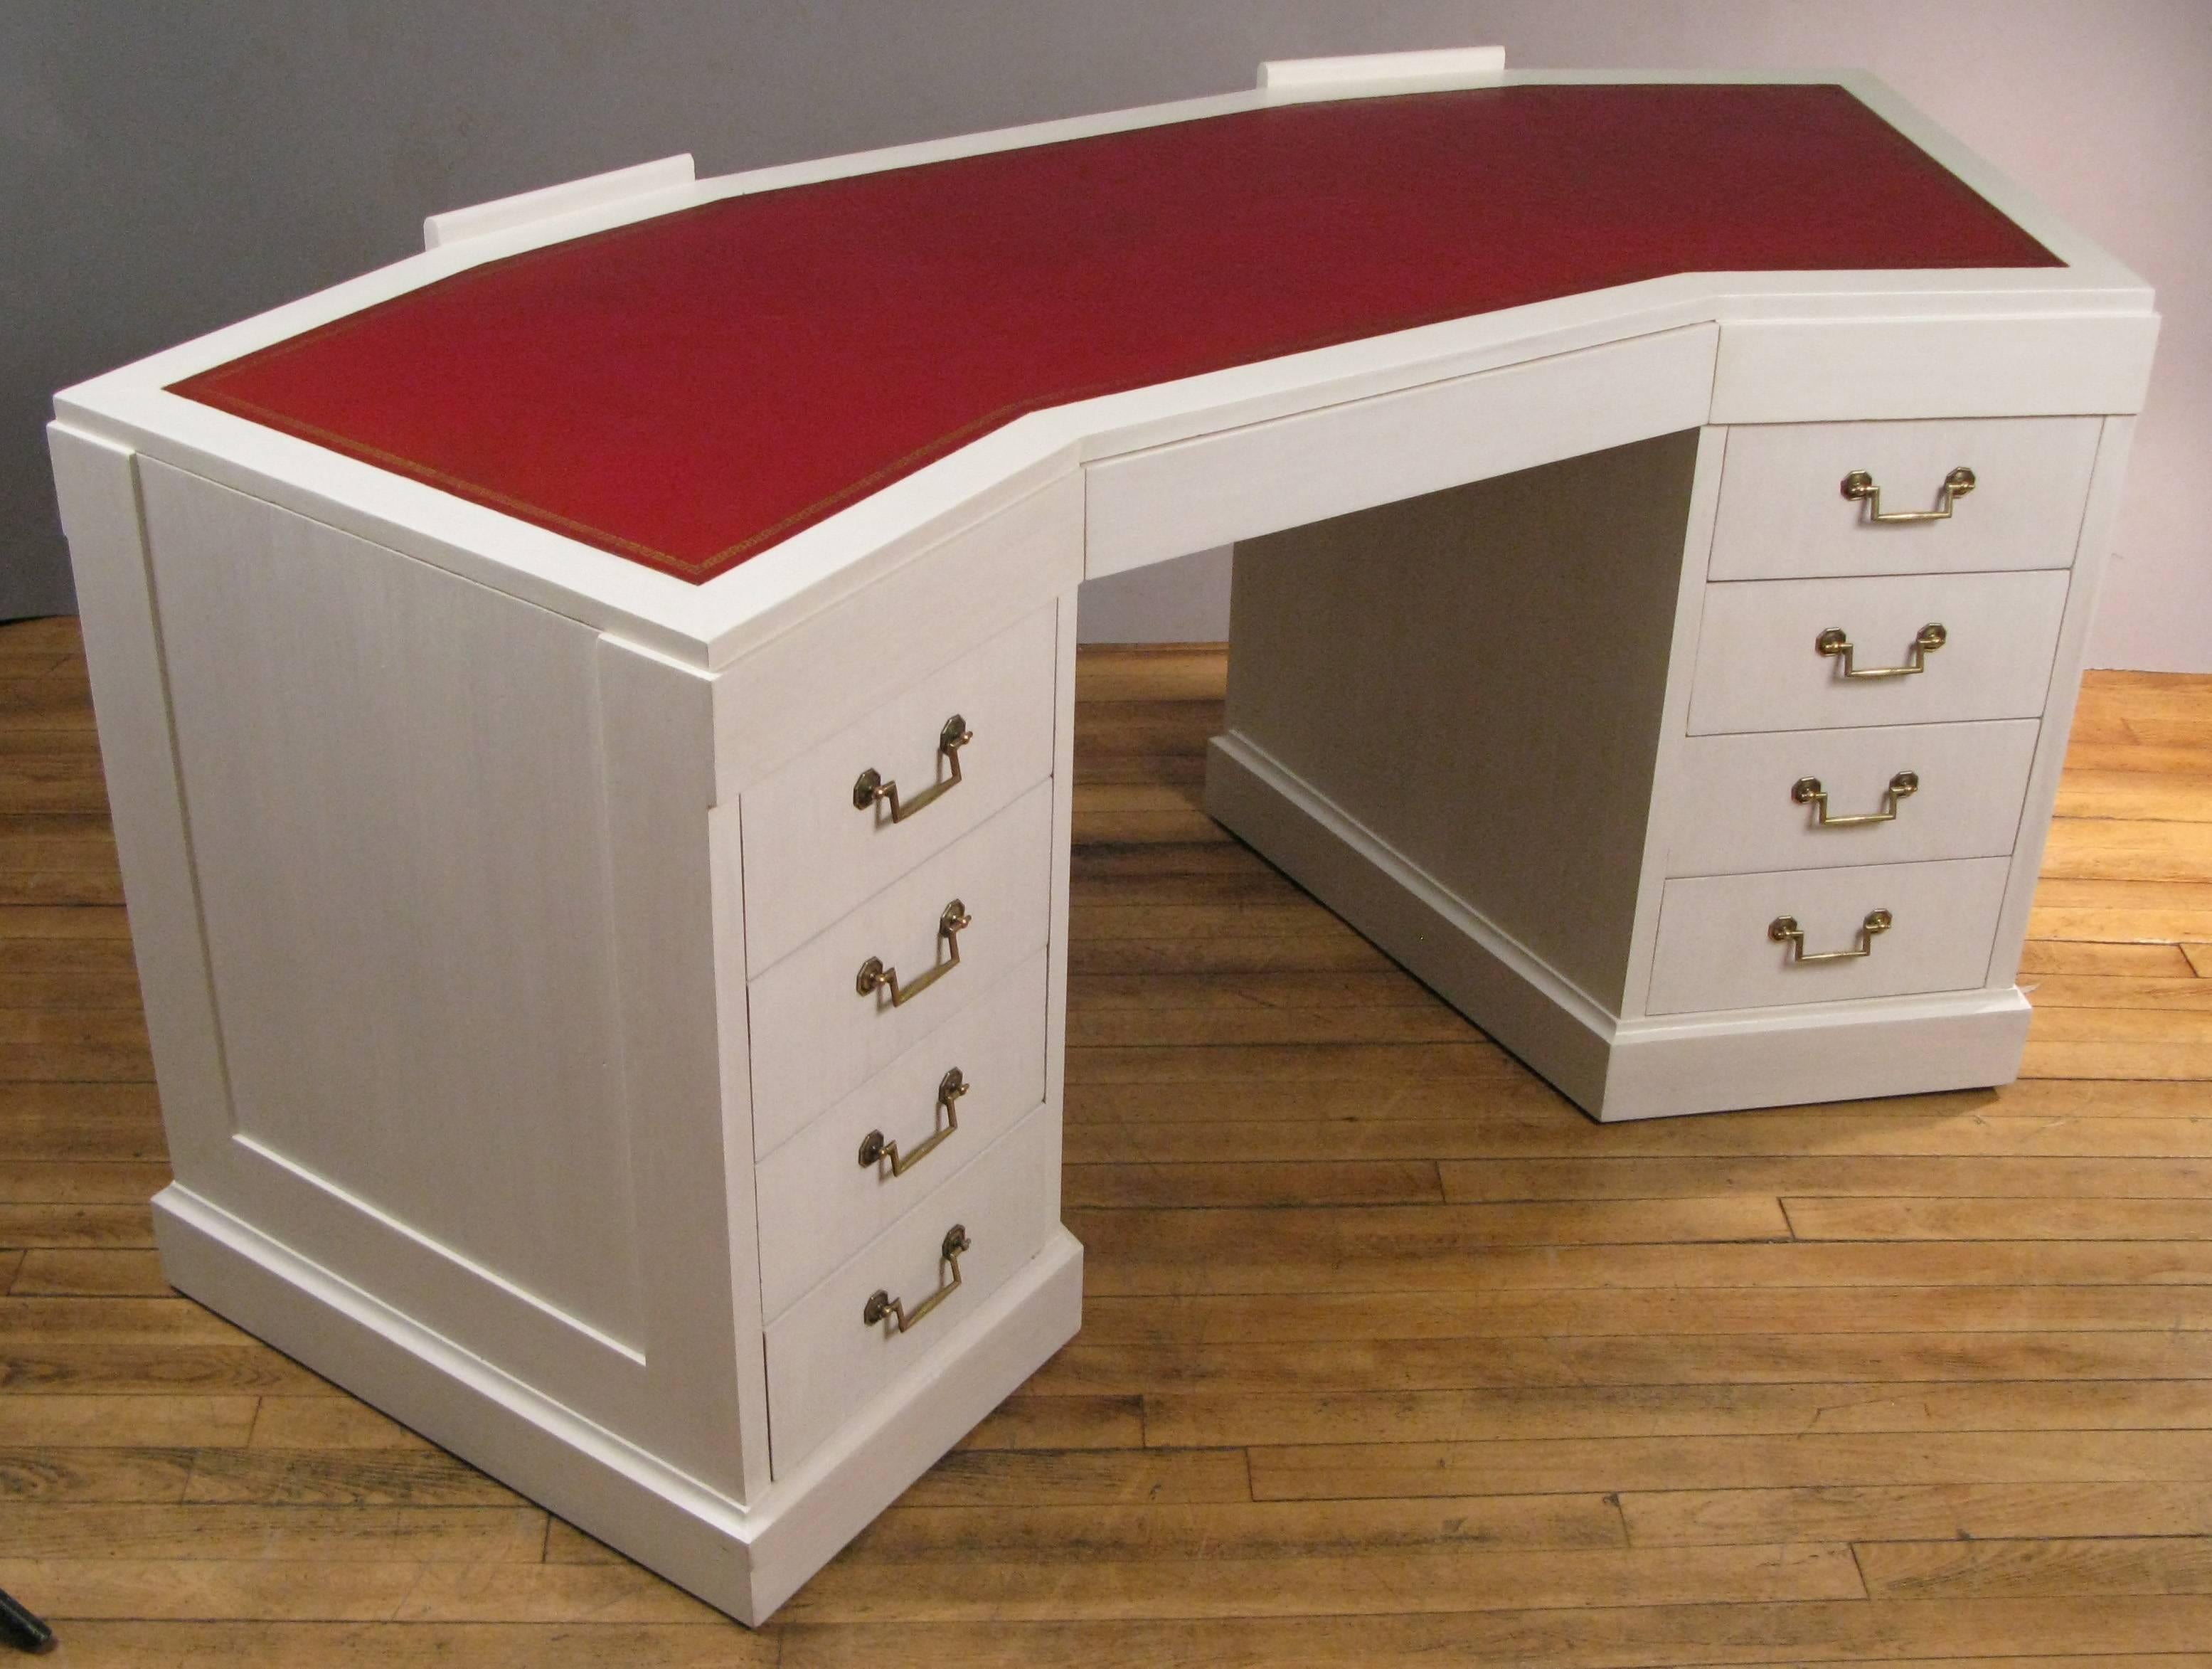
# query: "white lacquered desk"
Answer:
x=599 y=874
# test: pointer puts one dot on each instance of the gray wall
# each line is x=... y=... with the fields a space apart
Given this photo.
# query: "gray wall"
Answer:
x=172 y=165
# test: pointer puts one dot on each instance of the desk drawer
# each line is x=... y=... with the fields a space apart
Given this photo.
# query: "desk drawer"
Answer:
x=811 y=853
x=1783 y=512
x=816 y=1037
x=821 y=1199
x=1737 y=808
x=1717 y=948
x=1762 y=663
x=826 y=1359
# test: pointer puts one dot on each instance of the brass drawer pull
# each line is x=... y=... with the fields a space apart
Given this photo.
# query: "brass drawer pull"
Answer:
x=1858 y=484
x=873 y=973
x=1785 y=928
x=881 y=1304
x=1835 y=641
x=874 y=1150
x=1809 y=792
x=870 y=787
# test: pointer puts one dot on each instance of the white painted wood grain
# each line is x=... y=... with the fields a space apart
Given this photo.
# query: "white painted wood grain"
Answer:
x=832 y=669
x=815 y=1038
x=594 y=192
x=1953 y=365
x=1826 y=1051
x=818 y=1204
x=2092 y=559
x=466 y=1002
x=1715 y=953
x=1730 y=810
x=1784 y=515
x=1186 y=496
x=811 y=854
x=1759 y=667
x=392 y=779
x=1380 y=71
x=825 y=1364
x=98 y=487
x=690 y=1135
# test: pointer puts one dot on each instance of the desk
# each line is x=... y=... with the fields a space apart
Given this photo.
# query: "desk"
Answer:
x=588 y=708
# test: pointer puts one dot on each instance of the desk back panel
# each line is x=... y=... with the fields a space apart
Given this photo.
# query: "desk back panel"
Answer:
x=1481 y=672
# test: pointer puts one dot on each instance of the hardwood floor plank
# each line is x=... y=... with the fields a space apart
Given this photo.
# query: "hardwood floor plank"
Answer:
x=1077 y=1478
x=1985 y=1632
x=1259 y=1183
x=2187 y=993
x=182 y=1420
x=158 y=1367
x=2046 y=1568
x=1328 y=1585
x=1369 y=1364
x=1648 y=1177
x=1804 y=1460
x=1999 y=1219
x=53 y=1272
x=1238 y=1530
x=1260 y=1253
x=2199 y=957
x=276 y=1644
x=343 y=1478
x=68 y=1589
x=1623 y=1312
x=48 y=1472
x=2121 y=849
x=34 y=1182
x=76 y=1225
x=2055 y=956
x=492 y=1535
x=1023 y=1421
x=1941 y=1512
x=1265 y=1418
x=1517 y=1137
x=327 y=1423
x=1291 y=1063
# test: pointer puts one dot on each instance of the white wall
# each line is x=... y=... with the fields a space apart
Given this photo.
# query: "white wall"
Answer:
x=173 y=167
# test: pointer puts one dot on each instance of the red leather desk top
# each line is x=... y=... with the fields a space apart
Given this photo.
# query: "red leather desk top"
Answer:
x=689 y=390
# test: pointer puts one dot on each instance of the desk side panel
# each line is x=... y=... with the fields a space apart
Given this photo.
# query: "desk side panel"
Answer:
x=451 y=857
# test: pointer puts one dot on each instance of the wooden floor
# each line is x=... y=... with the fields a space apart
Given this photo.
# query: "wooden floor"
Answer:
x=1389 y=1354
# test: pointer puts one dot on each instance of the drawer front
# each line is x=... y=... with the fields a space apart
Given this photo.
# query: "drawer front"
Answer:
x=811 y=853
x=816 y=1037
x=1716 y=948
x=1783 y=512
x=1738 y=807
x=1760 y=664
x=821 y=1199
x=826 y=1359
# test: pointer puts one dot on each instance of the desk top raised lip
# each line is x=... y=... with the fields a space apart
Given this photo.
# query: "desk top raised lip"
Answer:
x=706 y=626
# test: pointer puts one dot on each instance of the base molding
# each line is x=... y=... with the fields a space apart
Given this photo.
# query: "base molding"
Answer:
x=1613 y=1070
x=746 y=1559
